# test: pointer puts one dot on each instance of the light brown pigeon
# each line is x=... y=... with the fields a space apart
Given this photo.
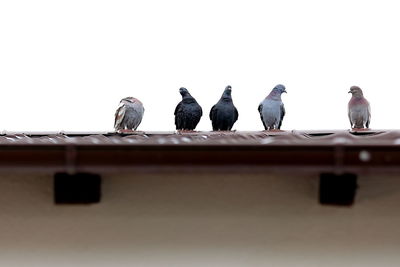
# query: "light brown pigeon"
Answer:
x=129 y=114
x=359 y=110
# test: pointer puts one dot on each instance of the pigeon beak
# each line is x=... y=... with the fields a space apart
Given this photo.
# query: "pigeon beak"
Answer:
x=349 y=92
x=284 y=91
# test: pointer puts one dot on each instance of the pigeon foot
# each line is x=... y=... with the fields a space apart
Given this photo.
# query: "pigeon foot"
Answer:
x=360 y=129
x=185 y=131
x=129 y=131
x=274 y=130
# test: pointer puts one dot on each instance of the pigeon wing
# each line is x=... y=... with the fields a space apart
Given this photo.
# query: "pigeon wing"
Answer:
x=199 y=113
x=178 y=107
x=348 y=114
x=119 y=116
x=283 y=112
x=236 y=114
x=369 y=116
x=138 y=107
x=212 y=112
x=260 y=107
x=178 y=116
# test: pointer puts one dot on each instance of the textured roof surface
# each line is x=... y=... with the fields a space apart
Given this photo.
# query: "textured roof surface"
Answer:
x=390 y=137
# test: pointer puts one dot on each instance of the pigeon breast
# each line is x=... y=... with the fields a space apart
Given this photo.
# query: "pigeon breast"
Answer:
x=271 y=113
x=359 y=112
x=187 y=114
x=224 y=114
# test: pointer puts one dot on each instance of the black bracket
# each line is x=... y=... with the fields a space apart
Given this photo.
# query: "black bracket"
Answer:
x=337 y=189
x=79 y=188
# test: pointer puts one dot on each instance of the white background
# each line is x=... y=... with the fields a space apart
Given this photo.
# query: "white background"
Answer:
x=65 y=65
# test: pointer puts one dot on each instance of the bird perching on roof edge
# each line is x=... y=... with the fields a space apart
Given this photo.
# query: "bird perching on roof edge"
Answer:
x=359 y=110
x=272 y=110
x=129 y=115
x=224 y=114
x=188 y=112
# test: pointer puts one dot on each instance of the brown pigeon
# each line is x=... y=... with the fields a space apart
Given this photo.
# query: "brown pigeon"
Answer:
x=359 y=110
x=129 y=114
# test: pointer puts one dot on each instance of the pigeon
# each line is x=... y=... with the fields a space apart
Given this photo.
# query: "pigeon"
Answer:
x=272 y=109
x=224 y=114
x=188 y=112
x=359 y=110
x=129 y=114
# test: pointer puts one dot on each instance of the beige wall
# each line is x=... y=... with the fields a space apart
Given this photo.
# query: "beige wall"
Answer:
x=201 y=220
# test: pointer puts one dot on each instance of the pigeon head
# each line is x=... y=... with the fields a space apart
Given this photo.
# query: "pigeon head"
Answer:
x=227 y=93
x=130 y=99
x=277 y=92
x=280 y=88
x=356 y=91
x=183 y=91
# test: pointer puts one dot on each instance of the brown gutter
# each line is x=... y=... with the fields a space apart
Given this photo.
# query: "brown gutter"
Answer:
x=114 y=158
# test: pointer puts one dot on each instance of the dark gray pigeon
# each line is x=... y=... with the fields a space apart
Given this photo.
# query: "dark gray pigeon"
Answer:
x=188 y=112
x=359 y=110
x=272 y=109
x=224 y=114
x=128 y=115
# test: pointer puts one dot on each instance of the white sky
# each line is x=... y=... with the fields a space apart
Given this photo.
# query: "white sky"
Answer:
x=65 y=65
